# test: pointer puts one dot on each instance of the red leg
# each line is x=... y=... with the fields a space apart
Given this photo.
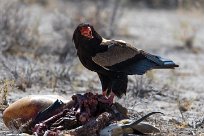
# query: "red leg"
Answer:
x=107 y=99
x=104 y=93
x=111 y=97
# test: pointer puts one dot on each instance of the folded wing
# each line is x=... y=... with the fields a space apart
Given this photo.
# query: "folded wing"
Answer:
x=122 y=57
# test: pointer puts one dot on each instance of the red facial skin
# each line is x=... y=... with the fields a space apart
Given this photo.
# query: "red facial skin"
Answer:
x=86 y=32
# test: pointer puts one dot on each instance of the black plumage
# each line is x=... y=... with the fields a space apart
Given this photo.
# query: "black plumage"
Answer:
x=114 y=60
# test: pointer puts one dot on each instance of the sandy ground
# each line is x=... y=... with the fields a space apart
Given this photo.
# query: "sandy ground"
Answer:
x=156 y=31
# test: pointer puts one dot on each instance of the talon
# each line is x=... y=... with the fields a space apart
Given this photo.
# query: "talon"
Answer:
x=105 y=99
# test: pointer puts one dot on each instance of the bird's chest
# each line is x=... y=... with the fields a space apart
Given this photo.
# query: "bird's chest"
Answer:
x=87 y=61
x=86 y=52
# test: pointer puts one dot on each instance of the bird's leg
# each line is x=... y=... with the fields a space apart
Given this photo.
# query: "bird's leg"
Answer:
x=107 y=99
x=104 y=93
x=111 y=97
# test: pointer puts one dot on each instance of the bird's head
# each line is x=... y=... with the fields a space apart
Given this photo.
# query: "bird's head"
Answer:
x=85 y=33
x=84 y=30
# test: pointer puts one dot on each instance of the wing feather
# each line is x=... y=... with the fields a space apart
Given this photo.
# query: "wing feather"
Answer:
x=117 y=52
x=122 y=57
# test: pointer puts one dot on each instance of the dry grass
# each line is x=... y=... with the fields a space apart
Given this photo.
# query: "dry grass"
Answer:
x=187 y=34
x=5 y=87
x=16 y=32
x=37 y=53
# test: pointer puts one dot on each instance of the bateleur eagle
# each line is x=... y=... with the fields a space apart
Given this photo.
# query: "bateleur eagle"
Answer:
x=114 y=60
